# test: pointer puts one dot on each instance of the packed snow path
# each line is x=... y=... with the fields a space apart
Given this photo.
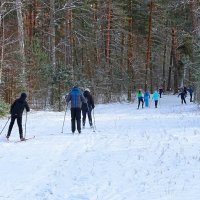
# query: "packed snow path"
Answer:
x=146 y=154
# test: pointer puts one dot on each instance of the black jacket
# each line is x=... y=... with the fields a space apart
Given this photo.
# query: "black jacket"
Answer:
x=89 y=101
x=182 y=94
x=18 y=106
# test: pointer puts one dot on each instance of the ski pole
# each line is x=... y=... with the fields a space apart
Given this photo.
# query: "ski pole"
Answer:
x=5 y=125
x=64 y=120
x=25 y=126
x=94 y=127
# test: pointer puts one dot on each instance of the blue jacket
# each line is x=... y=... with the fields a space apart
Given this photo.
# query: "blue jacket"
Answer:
x=76 y=98
x=146 y=95
x=190 y=90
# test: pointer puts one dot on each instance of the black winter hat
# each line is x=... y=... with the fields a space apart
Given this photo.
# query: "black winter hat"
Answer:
x=23 y=95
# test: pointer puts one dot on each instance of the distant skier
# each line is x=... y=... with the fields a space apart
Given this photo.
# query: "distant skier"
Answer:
x=185 y=91
x=87 y=107
x=183 y=96
x=160 y=91
x=76 y=98
x=190 y=90
x=16 y=111
x=146 y=98
x=156 y=98
x=140 y=98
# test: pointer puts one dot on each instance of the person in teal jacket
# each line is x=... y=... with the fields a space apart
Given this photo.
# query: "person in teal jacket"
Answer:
x=156 y=98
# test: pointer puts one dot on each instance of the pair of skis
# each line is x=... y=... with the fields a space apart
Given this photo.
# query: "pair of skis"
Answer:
x=25 y=139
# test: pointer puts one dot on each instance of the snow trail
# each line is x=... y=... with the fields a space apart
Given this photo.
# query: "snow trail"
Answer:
x=134 y=154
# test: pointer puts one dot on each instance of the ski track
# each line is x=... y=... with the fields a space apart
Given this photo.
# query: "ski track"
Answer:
x=134 y=154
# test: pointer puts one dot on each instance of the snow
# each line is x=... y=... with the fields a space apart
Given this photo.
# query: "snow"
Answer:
x=145 y=154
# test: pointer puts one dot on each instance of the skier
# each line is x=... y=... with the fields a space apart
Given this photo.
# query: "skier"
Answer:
x=183 y=96
x=140 y=98
x=156 y=98
x=190 y=90
x=76 y=98
x=185 y=91
x=87 y=107
x=160 y=91
x=146 y=98
x=16 y=111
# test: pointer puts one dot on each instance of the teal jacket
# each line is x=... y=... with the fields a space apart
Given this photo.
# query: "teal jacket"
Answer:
x=155 y=96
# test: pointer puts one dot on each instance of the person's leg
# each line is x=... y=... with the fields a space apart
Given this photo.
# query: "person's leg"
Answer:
x=19 y=122
x=90 y=116
x=146 y=102
x=84 y=117
x=10 y=126
x=142 y=103
x=156 y=103
x=73 y=115
x=190 y=97
x=184 y=100
x=78 y=119
x=139 y=103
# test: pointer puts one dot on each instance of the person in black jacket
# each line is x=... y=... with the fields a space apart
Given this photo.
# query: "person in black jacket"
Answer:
x=16 y=111
x=87 y=107
x=183 y=96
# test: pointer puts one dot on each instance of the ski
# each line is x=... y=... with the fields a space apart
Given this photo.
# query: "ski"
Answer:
x=25 y=139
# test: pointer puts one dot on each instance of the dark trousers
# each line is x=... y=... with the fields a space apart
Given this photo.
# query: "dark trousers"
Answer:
x=139 y=101
x=88 y=113
x=19 y=122
x=156 y=103
x=190 y=97
x=183 y=100
x=76 y=118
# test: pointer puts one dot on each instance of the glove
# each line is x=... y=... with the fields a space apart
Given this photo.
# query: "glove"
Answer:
x=93 y=107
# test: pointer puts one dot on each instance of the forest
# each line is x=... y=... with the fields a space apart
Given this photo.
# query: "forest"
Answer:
x=112 y=47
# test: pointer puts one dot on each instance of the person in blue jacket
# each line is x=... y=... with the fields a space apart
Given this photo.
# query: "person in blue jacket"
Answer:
x=190 y=90
x=146 y=98
x=76 y=98
x=156 y=98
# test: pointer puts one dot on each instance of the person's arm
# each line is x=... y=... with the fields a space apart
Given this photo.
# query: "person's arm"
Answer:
x=68 y=98
x=92 y=101
x=27 y=107
x=83 y=99
x=12 y=106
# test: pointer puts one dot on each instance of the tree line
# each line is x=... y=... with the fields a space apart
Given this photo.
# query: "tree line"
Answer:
x=113 y=47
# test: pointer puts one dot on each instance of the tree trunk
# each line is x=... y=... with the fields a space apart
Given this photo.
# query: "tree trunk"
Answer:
x=148 y=52
x=52 y=48
x=163 y=69
x=21 y=41
x=170 y=72
x=2 y=49
x=68 y=39
x=175 y=62
x=130 y=56
x=108 y=35
x=193 y=7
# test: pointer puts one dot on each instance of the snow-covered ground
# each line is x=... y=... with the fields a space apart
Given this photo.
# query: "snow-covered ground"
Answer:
x=146 y=154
